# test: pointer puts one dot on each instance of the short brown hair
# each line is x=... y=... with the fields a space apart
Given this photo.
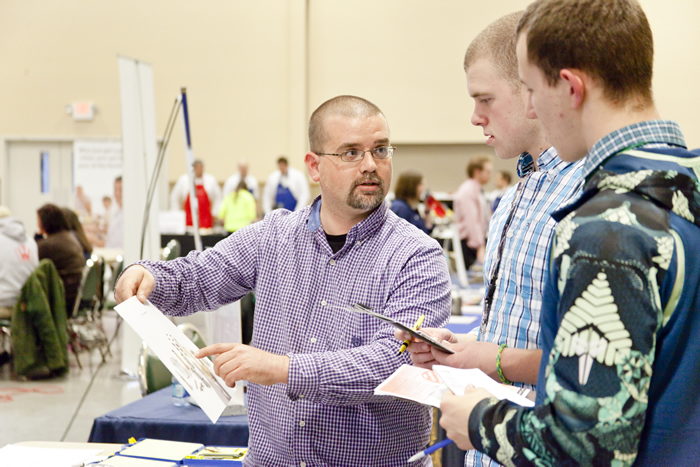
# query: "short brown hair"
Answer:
x=610 y=40
x=506 y=176
x=52 y=219
x=477 y=163
x=407 y=185
x=347 y=106
x=497 y=42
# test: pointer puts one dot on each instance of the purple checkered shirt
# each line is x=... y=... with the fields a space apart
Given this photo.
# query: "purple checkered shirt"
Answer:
x=327 y=414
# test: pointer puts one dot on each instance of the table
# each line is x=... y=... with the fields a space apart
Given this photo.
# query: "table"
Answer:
x=107 y=448
x=155 y=416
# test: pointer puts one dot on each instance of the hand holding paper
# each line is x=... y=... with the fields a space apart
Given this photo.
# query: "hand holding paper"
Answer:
x=239 y=362
x=455 y=414
x=177 y=353
x=135 y=280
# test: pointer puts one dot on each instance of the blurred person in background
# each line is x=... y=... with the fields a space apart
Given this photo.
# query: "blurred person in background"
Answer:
x=471 y=213
x=77 y=229
x=242 y=175
x=18 y=258
x=410 y=189
x=238 y=208
x=58 y=244
x=501 y=181
x=83 y=204
x=113 y=237
x=285 y=188
x=208 y=196
x=115 y=230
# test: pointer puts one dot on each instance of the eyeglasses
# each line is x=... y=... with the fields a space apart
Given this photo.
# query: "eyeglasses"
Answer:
x=356 y=155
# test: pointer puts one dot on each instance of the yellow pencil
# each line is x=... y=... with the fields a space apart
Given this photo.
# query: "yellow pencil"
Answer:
x=415 y=328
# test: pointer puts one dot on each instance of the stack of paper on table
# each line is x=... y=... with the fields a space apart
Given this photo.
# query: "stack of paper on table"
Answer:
x=13 y=455
x=161 y=453
x=152 y=453
x=428 y=386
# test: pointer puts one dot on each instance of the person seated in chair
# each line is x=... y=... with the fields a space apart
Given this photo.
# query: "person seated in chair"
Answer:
x=77 y=229
x=18 y=258
x=58 y=244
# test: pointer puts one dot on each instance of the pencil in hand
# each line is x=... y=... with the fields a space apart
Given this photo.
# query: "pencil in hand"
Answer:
x=406 y=343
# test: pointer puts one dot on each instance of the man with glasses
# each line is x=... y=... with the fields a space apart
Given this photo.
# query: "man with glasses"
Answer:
x=313 y=364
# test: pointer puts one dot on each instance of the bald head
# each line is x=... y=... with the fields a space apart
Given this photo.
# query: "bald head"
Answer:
x=344 y=106
x=243 y=167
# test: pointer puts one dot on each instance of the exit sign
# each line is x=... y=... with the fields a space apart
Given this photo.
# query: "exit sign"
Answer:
x=83 y=110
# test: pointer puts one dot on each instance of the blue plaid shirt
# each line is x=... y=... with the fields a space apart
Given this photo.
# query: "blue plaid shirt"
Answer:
x=327 y=414
x=514 y=318
x=650 y=134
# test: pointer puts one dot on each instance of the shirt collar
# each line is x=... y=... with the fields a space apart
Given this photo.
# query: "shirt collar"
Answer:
x=359 y=231
x=526 y=165
x=651 y=132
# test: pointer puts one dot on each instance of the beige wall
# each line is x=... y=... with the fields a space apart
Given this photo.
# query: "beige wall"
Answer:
x=255 y=69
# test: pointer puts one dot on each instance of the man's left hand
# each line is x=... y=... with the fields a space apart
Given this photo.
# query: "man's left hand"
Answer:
x=239 y=362
x=455 y=414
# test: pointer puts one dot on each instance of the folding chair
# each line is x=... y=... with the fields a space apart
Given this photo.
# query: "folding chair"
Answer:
x=85 y=330
x=109 y=302
x=171 y=250
x=152 y=373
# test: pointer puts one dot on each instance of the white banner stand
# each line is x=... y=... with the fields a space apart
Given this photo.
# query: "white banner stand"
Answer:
x=139 y=142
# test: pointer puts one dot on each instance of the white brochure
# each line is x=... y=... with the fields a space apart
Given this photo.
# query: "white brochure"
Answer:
x=457 y=379
x=176 y=352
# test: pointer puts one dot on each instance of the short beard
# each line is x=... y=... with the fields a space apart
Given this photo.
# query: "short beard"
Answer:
x=366 y=202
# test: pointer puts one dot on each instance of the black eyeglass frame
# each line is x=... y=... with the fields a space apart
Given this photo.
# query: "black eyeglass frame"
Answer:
x=390 y=149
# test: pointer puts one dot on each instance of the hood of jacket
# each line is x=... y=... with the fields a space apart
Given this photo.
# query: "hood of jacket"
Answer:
x=676 y=192
x=13 y=228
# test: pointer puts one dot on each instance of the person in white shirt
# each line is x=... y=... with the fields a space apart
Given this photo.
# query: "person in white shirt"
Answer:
x=208 y=195
x=18 y=258
x=285 y=188
x=250 y=181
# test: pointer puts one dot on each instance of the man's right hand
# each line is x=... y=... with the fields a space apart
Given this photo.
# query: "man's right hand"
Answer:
x=135 y=280
x=421 y=356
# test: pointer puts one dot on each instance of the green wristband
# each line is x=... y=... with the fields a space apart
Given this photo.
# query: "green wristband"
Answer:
x=498 y=365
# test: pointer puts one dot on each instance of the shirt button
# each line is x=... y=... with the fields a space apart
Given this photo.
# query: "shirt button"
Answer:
x=313 y=340
x=301 y=396
x=332 y=262
x=302 y=464
x=509 y=235
x=359 y=242
x=323 y=303
x=302 y=423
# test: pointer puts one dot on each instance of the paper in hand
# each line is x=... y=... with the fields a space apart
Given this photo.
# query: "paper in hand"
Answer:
x=417 y=334
x=458 y=379
x=176 y=352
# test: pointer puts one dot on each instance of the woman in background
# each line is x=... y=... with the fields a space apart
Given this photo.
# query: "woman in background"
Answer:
x=58 y=244
x=410 y=188
x=238 y=208
x=77 y=229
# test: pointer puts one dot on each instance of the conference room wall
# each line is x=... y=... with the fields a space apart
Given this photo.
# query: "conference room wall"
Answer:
x=256 y=69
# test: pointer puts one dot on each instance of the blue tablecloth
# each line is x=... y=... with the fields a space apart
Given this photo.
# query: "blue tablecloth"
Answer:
x=155 y=416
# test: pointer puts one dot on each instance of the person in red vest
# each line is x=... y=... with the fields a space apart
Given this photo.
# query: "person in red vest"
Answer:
x=208 y=194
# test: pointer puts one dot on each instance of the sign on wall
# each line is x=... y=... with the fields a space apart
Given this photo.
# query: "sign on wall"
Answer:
x=96 y=164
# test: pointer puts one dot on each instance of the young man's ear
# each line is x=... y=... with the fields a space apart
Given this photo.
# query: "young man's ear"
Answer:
x=576 y=82
x=312 y=160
